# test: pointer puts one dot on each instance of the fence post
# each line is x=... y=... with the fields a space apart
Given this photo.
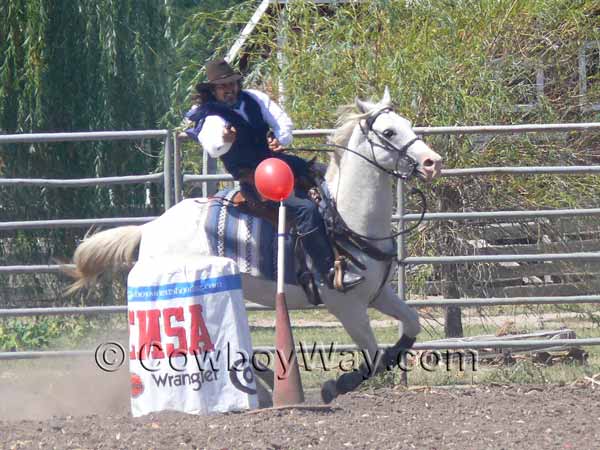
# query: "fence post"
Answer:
x=209 y=167
x=449 y=200
x=167 y=172
x=177 y=172
x=401 y=241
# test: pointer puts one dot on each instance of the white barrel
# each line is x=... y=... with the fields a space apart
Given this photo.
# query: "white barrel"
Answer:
x=189 y=343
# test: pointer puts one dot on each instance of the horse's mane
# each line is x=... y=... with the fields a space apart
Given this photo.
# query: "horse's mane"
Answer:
x=347 y=120
x=348 y=117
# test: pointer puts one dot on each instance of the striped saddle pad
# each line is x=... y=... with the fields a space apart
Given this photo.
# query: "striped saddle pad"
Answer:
x=250 y=241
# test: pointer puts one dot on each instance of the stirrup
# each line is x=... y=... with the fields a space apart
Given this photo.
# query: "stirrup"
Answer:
x=341 y=279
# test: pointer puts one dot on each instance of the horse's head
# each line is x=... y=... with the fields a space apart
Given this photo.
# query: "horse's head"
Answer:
x=394 y=146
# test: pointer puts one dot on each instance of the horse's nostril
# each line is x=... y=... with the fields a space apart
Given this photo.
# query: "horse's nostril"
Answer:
x=428 y=162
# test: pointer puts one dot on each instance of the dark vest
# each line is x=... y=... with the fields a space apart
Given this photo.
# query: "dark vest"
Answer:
x=250 y=146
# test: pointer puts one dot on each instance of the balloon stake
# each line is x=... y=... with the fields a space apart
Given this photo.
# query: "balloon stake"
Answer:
x=274 y=180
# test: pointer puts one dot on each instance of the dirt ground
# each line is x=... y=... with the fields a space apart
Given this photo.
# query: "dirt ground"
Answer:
x=90 y=410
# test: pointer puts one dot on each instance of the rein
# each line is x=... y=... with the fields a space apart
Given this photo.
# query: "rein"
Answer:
x=338 y=221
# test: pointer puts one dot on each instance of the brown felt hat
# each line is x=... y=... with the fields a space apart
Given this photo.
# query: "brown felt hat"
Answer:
x=219 y=71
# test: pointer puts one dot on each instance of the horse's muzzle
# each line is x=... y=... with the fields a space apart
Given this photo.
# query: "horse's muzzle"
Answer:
x=430 y=168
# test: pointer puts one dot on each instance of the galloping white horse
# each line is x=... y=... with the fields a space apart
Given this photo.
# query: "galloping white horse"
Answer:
x=374 y=146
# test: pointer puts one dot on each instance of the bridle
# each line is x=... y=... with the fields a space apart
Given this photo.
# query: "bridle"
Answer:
x=401 y=173
x=409 y=165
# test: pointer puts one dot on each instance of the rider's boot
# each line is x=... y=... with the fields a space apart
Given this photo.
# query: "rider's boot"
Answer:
x=332 y=275
x=348 y=280
x=329 y=271
x=311 y=228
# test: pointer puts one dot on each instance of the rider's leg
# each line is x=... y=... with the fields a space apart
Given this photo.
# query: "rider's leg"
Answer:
x=311 y=229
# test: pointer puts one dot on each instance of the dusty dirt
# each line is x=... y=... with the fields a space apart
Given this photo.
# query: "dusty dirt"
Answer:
x=90 y=410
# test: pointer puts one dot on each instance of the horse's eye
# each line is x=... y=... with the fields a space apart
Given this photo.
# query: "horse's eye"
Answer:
x=389 y=133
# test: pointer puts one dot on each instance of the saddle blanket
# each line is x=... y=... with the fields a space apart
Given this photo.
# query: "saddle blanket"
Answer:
x=249 y=241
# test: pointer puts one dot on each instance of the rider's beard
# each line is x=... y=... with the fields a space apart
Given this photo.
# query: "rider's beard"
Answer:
x=230 y=99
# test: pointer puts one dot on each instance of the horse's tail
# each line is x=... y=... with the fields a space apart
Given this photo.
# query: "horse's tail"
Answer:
x=103 y=251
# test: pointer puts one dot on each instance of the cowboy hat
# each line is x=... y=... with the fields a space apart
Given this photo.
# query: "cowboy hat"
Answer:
x=219 y=71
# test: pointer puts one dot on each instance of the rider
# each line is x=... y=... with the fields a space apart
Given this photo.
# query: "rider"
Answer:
x=243 y=127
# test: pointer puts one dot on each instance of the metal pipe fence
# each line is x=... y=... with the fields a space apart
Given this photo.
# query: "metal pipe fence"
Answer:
x=478 y=129
x=463 y=302
x=401 y=217
x=530 y=344
x=29 y=138
x=174 y=181
x=74 y=223
x=83 y=182
x=495 y=215
x=163 y=178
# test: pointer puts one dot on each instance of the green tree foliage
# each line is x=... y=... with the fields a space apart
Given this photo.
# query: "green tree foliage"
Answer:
x=208 y=29
x=106 y=64
x=447 y=63
x=78 y=66
x=466 y=63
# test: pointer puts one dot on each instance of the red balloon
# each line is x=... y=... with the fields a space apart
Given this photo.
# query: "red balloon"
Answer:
x=274 y=179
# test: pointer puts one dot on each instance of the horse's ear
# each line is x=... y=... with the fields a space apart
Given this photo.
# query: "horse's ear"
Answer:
x=363 y=107
x=387 y=98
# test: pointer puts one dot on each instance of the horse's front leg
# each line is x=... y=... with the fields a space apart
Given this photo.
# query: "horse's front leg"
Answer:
x=388 y=303
x=353 y=316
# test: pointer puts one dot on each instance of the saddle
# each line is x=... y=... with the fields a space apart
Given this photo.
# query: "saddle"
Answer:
x=341 y=237
x=248 y=203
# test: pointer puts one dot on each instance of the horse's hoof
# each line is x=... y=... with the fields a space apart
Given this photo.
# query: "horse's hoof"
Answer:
x=328 y=391
x=347 y=382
